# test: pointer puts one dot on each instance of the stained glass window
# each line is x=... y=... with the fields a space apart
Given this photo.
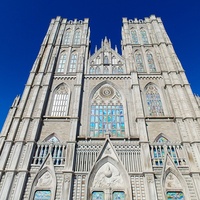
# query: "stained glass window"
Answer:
x=73 y=63
x=107 y=118
x=120 y=70
x=172 y=195
x=139 y=62
x=62 y=62
x=144 y=37
x=60 y=101
x=134 y=37
x=151 y=64
x=118 y=196
x=42 y=195
x=154 y=103
x=162 y=139
x=98 y=196
x=77 y=37
x=67 y=37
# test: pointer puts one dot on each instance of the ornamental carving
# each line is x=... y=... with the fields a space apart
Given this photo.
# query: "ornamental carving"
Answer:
x=45 y=180
x=106 y=92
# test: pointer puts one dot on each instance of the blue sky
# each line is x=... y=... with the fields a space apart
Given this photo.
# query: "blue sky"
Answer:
x=24 y=25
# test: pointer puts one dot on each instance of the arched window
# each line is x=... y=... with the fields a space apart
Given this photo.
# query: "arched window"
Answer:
x=107 y=114
x=139 y=62
x=92 y=70
x=151 y=64
x=98 y=60
x=154 y=103
x=62 y=62
x=67 y=37
x=134 y=37
x=105 y=60
x=97 y=195
x=114 y=60
x=42 y=195
x=118 y=196
x=105 y=70
x=73 y=63
x=144 y=36
x=60 y=101
x=77 y=37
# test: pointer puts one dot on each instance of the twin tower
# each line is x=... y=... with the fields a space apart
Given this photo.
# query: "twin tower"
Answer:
x=104 y=126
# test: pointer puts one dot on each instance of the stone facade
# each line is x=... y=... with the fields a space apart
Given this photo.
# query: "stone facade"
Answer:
x=103 y=126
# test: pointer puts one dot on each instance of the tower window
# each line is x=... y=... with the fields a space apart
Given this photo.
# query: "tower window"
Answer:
x=67 y=37
x=144 y=37
x=77 y=37
x=134 y=37
x=153 y=99
x=60 y=101
x=73 y=63
x=151 y=64
x=62 y=62
x=139 y=62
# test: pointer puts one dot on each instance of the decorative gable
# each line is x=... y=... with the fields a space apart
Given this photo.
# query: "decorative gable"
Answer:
x=106 y=60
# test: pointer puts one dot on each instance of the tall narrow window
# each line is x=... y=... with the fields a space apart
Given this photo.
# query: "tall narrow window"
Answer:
x=62 y=61
x=139 y=62
x=77 y=37
x=92 y=70
x=73 y=63
x=105 y=60
x=151 y=64
x=134 y=37
x=42 y=195
x=107 y=114
x=120 y=70
x=114 y=70
x=153 y=99
x=67 y=37
x=144 y=36
x=60 y=101
x=97 y=71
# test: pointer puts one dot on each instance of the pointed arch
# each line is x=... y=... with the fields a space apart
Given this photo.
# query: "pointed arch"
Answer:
x=77 y=37
x=97 y=71
x=139 y=62
x=60 y=101
x=150 y=60
x=67 y=37
x=62 y=62
x=52 y=138
x=44 y=183
x=107 y=111
x=153 y=100
x=73 y=62
x=134 y=36
x=144 y=36
x=161 y=138
x=105 y=70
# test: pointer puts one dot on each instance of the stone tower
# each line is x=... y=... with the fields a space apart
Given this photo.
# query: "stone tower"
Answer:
x=103 y=126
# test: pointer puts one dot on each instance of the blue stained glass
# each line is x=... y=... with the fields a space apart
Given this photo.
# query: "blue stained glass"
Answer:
x=118 y=196
x=98 y=196
x=101 y=112
x=97 y=112
x=42 y=195
x=172 y=195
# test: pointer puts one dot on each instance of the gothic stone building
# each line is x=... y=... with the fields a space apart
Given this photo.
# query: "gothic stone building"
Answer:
x=103 y=126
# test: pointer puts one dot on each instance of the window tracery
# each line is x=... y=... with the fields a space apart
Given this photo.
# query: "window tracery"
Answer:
x=153 y=99
x=67 y=37
x=175 y=195
x=73 y=63
x=150 y=61
x=62 y=62
x=134 y=37
x=107 y=114
x=60 y=101
x=139 y=62
x=144 y=36
x=77 y=37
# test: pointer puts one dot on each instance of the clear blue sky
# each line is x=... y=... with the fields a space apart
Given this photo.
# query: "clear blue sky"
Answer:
x=24 y=24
